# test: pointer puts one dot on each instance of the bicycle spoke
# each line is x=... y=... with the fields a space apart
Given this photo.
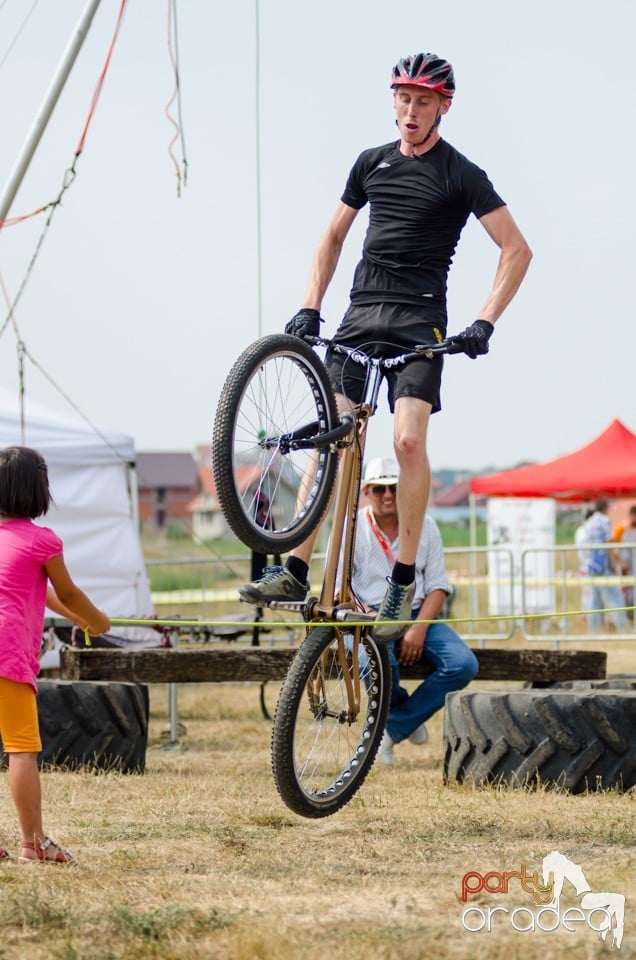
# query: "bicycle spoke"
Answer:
x=322 y=745
x=272 y=492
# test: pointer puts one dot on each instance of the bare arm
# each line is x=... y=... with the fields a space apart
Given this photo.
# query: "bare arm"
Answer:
x=513 y=263
x=327 y=255
x=415 y=637
x=73 y=599
x=54 y=603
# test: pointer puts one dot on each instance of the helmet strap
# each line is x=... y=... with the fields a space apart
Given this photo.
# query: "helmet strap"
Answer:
x=434 y=126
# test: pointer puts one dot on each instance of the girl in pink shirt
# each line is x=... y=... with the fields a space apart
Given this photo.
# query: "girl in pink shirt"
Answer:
x=30 y=556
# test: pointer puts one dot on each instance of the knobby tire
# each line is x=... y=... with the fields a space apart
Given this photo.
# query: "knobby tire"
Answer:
x=277 y=389
x=320 y=755
x=578 y=740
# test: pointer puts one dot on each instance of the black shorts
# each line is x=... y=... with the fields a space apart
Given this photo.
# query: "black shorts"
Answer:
x=386 y=330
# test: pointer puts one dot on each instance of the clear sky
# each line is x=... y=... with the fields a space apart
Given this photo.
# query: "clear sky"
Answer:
x=140 y=301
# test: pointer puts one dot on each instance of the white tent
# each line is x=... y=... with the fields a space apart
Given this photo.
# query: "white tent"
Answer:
x=93 y=484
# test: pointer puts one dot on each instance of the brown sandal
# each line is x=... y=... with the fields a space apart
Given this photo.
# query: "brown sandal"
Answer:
x=4 y=854
x=61 y=856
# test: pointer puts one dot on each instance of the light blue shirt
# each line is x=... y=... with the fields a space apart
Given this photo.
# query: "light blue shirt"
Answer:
x=597 y=529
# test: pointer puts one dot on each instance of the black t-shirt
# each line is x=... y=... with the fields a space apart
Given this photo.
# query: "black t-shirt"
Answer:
x=418 y=208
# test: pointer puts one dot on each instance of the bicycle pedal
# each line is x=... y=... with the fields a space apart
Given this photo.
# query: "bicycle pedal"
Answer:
x=295 y=606
x=355 y=616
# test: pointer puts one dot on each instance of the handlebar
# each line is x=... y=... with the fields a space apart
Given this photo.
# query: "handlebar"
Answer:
x=448 y=346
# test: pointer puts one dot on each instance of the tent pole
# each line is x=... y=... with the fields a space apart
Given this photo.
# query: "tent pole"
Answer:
x=133 y=494
x=474 y=600
x=47 y=106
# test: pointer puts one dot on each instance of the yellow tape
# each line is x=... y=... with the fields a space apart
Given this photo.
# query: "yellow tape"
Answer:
x=247 y=624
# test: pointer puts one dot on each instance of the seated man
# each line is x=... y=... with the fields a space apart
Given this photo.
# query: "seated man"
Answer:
x=375 y=548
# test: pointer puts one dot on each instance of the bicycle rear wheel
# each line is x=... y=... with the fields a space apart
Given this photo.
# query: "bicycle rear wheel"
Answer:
x=321 y=749
x=272 y=490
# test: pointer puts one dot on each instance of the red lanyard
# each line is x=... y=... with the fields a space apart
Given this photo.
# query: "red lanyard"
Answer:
x=379 y=536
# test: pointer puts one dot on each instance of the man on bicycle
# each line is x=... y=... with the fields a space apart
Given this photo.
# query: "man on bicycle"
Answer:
x=421 y=192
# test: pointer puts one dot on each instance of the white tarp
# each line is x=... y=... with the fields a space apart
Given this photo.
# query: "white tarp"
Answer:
x=90 y=476
x=517 y=524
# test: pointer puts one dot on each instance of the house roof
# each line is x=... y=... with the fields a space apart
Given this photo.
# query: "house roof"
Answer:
x=453 y=495
x=245 y=475
x=166 y=470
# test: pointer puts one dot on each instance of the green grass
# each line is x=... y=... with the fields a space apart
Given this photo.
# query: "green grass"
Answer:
x=198 y=858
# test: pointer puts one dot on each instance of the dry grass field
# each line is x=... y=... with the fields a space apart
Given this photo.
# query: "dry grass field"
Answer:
x=198 y=857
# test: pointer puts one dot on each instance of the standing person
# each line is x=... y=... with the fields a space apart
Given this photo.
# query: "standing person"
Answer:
x=580 y=536
x=420 y=191
x=598 y=562
x=30 y=556
x=454 y=663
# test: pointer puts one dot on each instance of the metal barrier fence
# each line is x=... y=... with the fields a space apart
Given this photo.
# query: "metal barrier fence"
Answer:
x=206 y=589
x=570 y=589
x=497 y=594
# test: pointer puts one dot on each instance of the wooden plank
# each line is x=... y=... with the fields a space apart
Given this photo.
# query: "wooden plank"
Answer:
x=541 y=666
x=186 y=665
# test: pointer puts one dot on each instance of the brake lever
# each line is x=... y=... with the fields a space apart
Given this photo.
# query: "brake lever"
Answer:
x=446 y=346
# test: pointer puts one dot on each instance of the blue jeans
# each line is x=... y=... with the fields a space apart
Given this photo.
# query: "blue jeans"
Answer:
x=597 y=597
x=455 y=666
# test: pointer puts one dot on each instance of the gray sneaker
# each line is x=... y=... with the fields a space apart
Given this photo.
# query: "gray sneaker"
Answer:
x=396 y=605
x=277 y=583
x=419 y=735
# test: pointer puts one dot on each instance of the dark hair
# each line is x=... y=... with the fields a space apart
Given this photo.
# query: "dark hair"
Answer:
x=24 y=483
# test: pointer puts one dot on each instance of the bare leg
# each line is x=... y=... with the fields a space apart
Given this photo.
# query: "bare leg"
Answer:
x=26 y=792
x=410 y=434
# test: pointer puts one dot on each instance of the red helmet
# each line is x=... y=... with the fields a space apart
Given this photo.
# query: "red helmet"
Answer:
x=425 y=70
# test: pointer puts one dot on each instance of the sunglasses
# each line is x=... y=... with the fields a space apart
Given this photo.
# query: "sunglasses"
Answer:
x=378 y=489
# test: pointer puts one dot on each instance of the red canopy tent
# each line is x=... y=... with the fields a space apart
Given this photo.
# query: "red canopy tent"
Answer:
x=606 y=468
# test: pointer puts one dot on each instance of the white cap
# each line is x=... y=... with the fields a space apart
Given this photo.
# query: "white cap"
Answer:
x=381 y=470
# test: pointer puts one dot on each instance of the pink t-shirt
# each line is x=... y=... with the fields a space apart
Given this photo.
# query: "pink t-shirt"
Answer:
x=24 y=549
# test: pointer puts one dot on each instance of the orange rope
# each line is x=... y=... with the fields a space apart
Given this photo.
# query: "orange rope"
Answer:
x=172 y=99
x=100 y=82
x=11 y=221
x=178 y=132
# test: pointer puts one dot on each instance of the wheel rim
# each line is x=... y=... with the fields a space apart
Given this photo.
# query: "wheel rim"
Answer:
x=281 y=398
x=331 y=750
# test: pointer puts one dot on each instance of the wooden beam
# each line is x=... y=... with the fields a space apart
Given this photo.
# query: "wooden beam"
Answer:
x=187 y=665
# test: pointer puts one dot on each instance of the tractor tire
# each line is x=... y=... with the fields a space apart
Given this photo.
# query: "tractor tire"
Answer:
x=577 y=740
x=624 y=681
x=99 y=725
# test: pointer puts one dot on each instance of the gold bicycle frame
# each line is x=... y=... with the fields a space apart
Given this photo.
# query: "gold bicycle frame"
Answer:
x=336 y=596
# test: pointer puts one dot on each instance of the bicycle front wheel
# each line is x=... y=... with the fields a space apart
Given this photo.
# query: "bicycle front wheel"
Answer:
x=273 y=478
x=323 y=742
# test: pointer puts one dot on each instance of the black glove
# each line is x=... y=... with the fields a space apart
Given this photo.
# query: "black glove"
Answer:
x=474 y=339
x=305 y=323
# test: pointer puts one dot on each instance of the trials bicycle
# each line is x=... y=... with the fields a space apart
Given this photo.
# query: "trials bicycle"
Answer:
x=279 y=447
